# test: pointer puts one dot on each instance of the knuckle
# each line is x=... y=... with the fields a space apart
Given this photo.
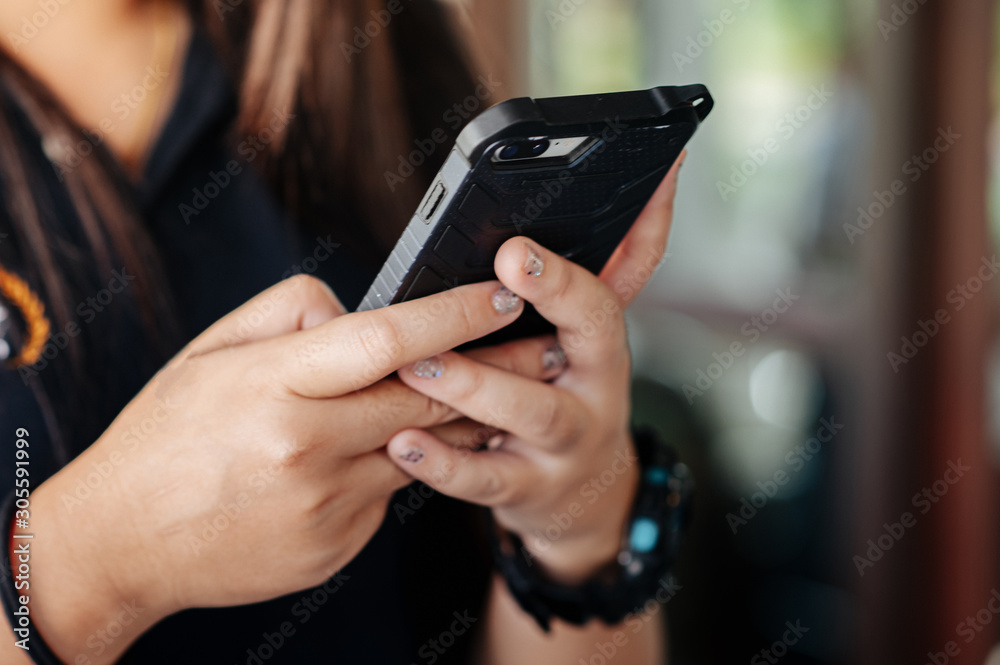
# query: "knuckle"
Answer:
x=551 y=423
x=394 y=407
x=306 y=287
x=436 y=412
x=469 y=385
x=315 y=291
x=563 y=283
x=493 y=490
x=288 y=455
x=381 y=414
x=418 y=410
x=379 y=340
x=467 y=319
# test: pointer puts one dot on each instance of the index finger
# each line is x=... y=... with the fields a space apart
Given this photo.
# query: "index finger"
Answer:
x=356 y=350
x=638 y=256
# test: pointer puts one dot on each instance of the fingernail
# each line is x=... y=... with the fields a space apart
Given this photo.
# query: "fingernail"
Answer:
x=533 y=265
x=412 y=455
x=430 y=368
x=554 y=358
x=495 y=442
x=505 y=301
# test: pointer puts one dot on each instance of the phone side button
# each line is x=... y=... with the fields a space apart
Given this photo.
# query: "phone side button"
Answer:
x=454 y=247
x=427 y=283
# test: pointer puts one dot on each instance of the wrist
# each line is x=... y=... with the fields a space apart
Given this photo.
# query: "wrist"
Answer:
x=78 y=605
x=657 y=515
x=586 y=537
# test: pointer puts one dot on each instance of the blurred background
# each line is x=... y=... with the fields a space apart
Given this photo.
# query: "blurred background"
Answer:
x=836 y=223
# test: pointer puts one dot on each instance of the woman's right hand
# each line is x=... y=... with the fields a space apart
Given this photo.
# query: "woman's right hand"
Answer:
x=251 y=466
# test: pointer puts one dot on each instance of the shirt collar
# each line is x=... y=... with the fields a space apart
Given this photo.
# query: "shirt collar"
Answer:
x=205 y=106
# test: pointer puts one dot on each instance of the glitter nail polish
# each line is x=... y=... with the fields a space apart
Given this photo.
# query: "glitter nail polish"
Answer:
x=413 y=455
x=430 y=368
x=505 y=301
x=554 y=358
x=533 y=265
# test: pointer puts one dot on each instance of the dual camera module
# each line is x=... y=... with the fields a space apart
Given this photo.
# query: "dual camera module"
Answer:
x=538 y=149
x=523 y=150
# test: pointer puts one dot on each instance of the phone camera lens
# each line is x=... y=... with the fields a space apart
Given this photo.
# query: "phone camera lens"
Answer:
x=538 y=148
x=509 y=152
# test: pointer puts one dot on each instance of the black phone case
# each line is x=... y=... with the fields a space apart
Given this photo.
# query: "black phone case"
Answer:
x=581 y=210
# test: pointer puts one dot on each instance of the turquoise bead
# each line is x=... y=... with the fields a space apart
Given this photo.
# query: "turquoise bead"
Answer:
x=657 y=476
x=645 y=532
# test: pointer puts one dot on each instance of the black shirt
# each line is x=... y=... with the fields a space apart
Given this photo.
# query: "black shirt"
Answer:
x=223 y=238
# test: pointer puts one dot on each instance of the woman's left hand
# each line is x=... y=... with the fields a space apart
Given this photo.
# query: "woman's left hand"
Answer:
x=565 y=474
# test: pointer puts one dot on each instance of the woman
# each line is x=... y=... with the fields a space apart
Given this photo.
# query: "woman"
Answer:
x=152 y=156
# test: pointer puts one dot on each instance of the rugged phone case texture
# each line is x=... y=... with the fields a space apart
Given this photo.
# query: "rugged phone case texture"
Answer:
x=580 y=209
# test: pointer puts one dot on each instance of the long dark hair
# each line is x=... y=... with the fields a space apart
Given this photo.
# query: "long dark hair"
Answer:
x=358 y=111
x=359 y=105
x=367 y=78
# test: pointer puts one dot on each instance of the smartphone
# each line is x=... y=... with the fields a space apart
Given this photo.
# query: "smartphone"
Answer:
x=571 y=173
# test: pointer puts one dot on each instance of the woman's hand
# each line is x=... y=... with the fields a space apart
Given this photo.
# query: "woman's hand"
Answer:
x=250 y=467
x=565 y=474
